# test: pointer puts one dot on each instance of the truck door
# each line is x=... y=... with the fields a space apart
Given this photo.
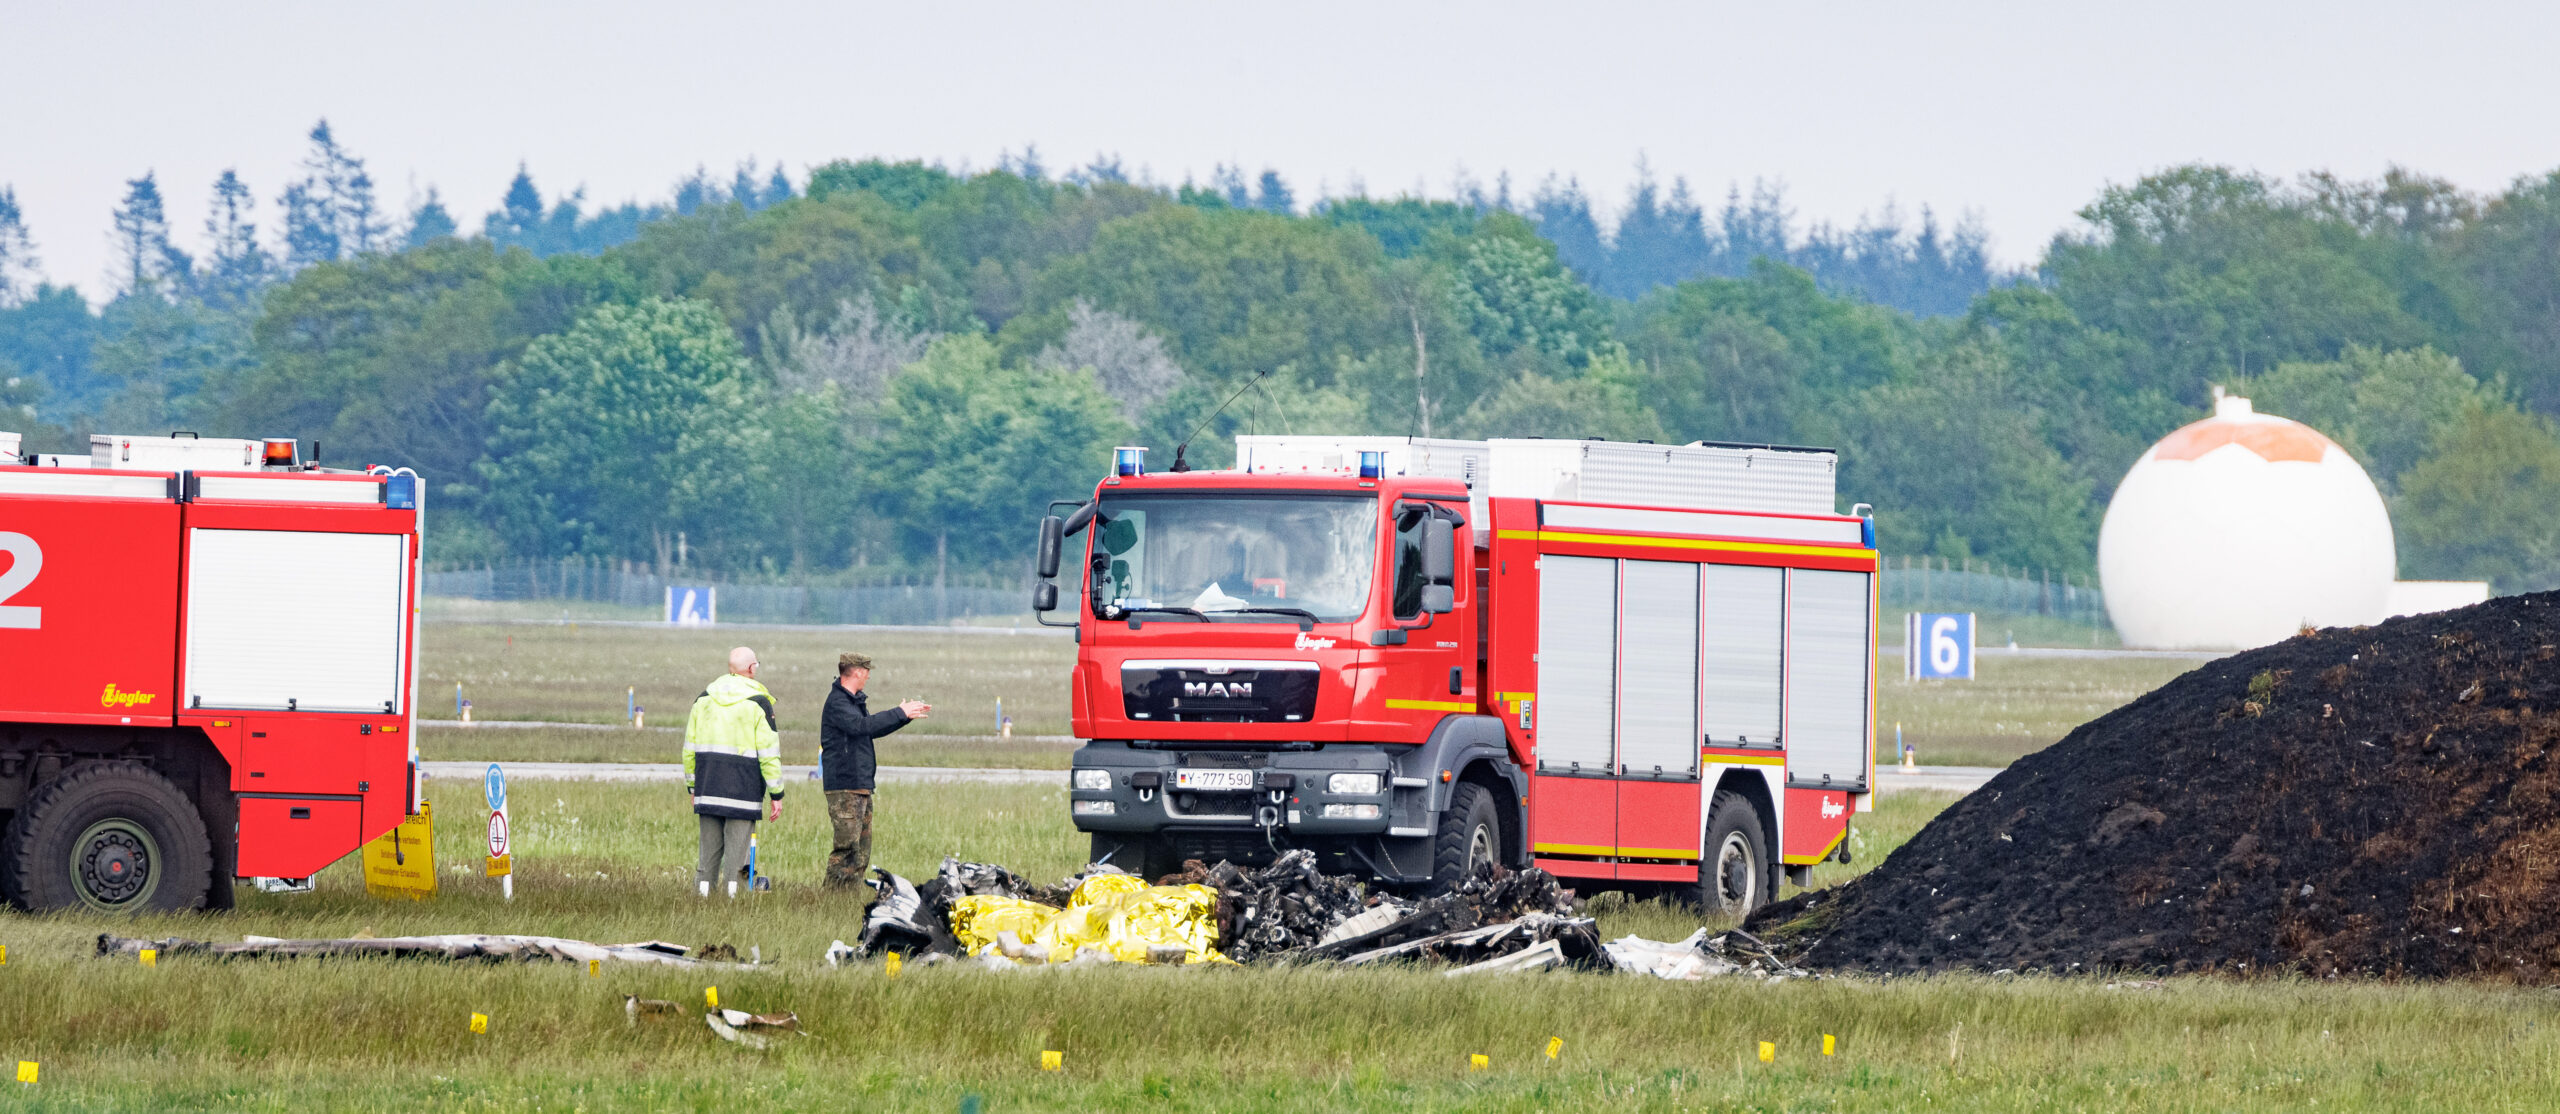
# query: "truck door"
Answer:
x=303 y=633
x=1574 y=804
x=1829 y=665
x=1432 y=675
x=1658 y=804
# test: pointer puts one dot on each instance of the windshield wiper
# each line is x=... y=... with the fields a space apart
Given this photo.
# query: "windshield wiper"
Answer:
x=1132 y=613
x=1306 y=618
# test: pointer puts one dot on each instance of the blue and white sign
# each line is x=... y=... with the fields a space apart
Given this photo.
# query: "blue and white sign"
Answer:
x=1937 y=647
x=692 y=606
x=496 y=783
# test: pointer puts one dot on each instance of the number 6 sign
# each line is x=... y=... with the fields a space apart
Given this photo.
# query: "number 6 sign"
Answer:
x=1937 y=647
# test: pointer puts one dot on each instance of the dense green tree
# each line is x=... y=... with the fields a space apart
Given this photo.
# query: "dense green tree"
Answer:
x=960 y=434
x=1956 y=466
x=2479 y=509
x=388 y=359
x=2511 y=261
x=2387 y=409
x=587 y=427
x=148 y=263
x=237 y=268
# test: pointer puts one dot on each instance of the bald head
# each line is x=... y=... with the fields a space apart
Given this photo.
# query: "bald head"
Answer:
x=742 y=661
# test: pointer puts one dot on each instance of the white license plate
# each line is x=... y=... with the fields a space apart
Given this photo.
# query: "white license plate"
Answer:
x=1213 y=779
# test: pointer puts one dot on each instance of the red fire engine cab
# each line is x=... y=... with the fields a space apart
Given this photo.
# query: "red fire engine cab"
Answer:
x=211 y=647
x=1637 y=665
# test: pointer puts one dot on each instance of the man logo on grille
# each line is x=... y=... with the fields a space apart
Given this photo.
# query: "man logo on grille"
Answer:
x=1222 y=689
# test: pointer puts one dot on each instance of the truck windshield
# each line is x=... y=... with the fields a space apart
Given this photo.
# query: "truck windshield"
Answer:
x=1252 y=558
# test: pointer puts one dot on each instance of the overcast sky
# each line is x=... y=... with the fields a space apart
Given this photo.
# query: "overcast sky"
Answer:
x=2018 y=113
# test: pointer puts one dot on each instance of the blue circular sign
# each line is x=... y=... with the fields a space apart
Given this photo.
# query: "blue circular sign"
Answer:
x=497 y=785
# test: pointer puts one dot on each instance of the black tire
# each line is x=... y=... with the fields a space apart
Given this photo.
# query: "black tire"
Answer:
x=1470 y=835
x=107 y=837
x=1736 y=876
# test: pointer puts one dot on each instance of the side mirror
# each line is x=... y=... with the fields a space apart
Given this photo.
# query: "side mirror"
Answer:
x=1053 y=534
x=1044 y=596
x=1439 y=562
x=1439 y=599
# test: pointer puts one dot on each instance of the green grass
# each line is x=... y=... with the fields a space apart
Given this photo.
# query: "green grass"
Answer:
x=612 y=862
x=2013 y=706
x=577 y=673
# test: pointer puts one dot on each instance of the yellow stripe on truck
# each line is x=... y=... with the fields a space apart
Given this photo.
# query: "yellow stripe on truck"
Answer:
x=1618 y=852
x=1431 y=705
x=1842 y=552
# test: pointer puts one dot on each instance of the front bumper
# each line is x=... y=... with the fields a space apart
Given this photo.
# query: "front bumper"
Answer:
x=1288 y=794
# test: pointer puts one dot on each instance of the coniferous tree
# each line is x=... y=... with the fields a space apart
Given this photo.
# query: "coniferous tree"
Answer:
x=1563 y=216
x=518 y=219
x=238 y=266
x=777 y=189
x=1274 y=195
x=430 y=222
x=146 y=260
x=331 y=212
x=17 y=253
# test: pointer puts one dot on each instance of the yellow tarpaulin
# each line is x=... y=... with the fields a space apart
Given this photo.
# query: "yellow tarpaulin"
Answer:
x=402 y=861
x=1118 y=913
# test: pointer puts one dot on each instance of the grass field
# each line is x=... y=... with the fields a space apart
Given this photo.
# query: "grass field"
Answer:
x=612 y=862
x=577 y=673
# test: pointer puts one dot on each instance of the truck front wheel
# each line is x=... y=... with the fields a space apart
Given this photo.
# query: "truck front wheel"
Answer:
x=1733 y=879
x=110 y=837
x=1469 y=837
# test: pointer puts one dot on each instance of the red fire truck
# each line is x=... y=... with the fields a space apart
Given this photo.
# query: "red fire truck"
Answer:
x=211 y=646
x=1642 y=666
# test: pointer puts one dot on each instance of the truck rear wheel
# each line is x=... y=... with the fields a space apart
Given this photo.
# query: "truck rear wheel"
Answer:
x=109 y=837
x=1733 y=878
x=1470 y=836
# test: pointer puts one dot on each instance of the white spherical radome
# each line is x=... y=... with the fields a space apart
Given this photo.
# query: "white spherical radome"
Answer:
x=2239 y=530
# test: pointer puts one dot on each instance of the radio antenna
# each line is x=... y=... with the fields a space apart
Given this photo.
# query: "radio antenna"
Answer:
x=1179 y=465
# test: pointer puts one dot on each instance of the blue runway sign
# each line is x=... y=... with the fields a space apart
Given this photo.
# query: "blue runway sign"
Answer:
x=1937 y=647
x=692 y=605
x=496 y=784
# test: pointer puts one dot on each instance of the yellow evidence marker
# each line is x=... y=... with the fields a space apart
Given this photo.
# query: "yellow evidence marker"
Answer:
x=1768 y=1052
x=1052 y=1061
x=1555 y=1047
x=26 y=1071
x=1479 y=1062
x=711 y=996
x=893 y=965
x=1826 y=1044
x=595 y=968
x=479 y=1023
x=150 y=957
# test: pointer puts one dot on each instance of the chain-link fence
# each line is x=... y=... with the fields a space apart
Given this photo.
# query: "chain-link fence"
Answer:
x=638 y=592
x=1955 y=584
x=1910 y=583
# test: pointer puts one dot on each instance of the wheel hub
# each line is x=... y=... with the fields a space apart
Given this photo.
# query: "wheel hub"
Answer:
x=1480 y=848
x=113 y=863
x=1733 y=872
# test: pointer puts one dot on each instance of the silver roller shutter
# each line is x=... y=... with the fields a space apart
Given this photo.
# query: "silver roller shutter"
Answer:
x=1658 y=671
x=1745 y=647
x=1577 y=648
x=280 y=618
x=1827 y=689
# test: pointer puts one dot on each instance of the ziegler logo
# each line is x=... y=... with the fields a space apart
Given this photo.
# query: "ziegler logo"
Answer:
x=1831 y=808
x=113 y=699
x=1238 y=689
x=1306 y=643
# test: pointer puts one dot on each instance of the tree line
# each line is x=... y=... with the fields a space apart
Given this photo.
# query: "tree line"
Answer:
x=895 y=365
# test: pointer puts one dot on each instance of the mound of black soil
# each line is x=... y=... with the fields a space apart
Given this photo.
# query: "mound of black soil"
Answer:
x=2374 y=800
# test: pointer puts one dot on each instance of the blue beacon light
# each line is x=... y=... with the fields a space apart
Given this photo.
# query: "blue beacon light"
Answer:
x=1373 y=464
x=1131 y=460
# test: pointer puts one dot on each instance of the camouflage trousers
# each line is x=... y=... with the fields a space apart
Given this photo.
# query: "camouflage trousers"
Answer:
x=850 y=811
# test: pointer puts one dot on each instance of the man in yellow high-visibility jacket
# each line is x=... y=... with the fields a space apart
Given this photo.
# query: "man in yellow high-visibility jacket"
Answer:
x=732 y=768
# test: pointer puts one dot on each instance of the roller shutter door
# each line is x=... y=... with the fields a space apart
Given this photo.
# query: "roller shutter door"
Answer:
x=1830 y=664
x=1658 y=698
x=1745 y=647
x=292 y=619
x=1577 y=648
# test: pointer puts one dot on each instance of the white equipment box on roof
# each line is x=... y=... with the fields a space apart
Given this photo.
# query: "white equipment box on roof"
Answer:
x=1701 y=475
x=9 y=446
x=173 y=454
